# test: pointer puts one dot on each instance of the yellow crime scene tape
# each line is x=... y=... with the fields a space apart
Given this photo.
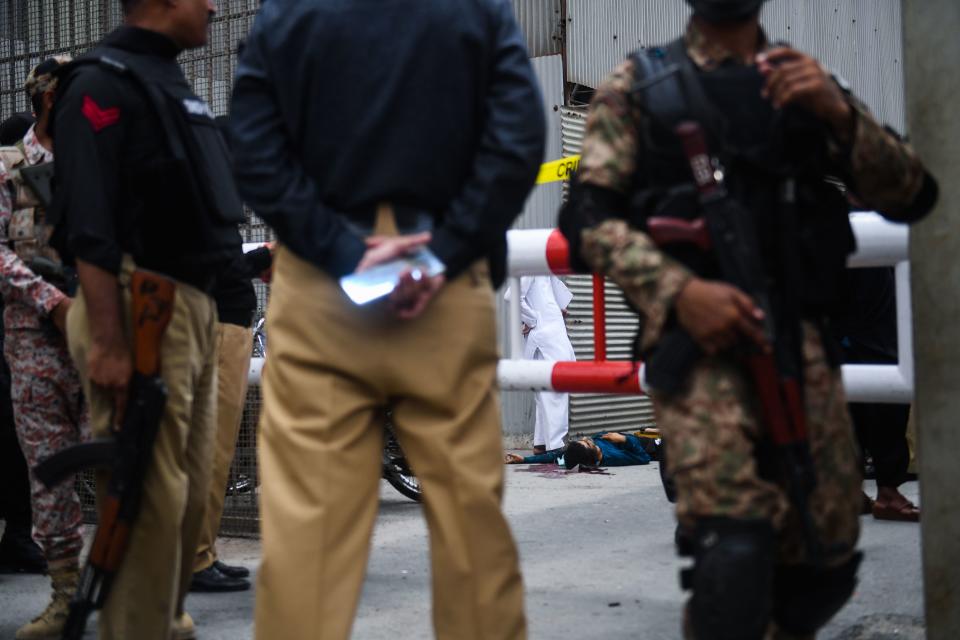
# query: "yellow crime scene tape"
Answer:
x=558 y=170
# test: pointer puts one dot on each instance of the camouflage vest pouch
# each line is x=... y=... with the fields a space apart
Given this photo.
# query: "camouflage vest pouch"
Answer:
x=27 y=233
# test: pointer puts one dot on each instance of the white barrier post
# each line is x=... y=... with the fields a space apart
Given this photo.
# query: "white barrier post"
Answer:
x=514 y=330
x=544 y=251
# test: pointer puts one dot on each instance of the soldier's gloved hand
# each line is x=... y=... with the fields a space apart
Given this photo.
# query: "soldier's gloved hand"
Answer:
x=717 y=315
x=794 y=78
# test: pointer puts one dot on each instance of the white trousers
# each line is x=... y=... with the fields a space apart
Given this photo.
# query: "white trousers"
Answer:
x=553 y=416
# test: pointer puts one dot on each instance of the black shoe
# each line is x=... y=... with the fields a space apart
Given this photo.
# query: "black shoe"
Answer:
x=231 y=570
x=20 y=554
x=212 y=580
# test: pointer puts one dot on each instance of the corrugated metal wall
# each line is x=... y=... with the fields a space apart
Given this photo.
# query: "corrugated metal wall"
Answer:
x=600 y=33
x=591 y=412
x=541 y=208
x=540 y=21
x=860 y=40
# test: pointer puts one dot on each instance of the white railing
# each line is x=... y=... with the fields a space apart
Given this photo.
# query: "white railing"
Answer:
x=544 y=251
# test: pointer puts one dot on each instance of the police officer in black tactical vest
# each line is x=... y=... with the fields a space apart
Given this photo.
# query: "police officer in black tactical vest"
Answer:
x=712 y=189
x=145 y=183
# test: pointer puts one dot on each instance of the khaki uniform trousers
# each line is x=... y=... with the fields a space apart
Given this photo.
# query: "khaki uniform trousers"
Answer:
x=153 y=579
x=234 y=347
x=331 y=370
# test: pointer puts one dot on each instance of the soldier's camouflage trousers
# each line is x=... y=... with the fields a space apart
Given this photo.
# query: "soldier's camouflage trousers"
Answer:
x=50 y=415
x=712 y=432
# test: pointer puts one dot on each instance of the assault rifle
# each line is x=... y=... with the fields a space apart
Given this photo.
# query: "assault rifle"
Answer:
x=727 y=231
x=126 y=454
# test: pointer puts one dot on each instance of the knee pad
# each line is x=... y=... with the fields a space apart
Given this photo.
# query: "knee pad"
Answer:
x=806 y=597
x=731 y=579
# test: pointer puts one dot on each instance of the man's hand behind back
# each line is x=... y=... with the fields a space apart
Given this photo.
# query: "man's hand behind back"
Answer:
x=412 y=295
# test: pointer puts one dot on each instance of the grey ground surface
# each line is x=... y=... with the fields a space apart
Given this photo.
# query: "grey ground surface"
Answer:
x=598 y=561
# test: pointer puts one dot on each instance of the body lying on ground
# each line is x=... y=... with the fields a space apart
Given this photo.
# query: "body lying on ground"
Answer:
x=601 y=450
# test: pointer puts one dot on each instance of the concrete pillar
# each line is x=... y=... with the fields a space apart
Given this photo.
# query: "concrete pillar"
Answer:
x=931 y=52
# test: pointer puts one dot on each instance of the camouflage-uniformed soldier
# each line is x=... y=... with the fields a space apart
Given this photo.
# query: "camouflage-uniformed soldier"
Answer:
x=47 y=400
x=755 y=574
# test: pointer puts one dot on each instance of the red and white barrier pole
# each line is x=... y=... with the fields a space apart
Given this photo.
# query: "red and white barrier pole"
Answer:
x=599 y=319
x=545 y=251
x=537 y=252
x=571 y=377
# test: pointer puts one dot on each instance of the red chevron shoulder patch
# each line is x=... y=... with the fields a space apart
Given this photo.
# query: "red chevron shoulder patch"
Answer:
x=98 y=117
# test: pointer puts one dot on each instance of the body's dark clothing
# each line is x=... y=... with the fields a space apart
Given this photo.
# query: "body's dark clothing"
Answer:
x=429 y=112
x=882 y=431
x=867 y=323
x=867 y=329
x=615 y=454
x=234 y=294
x=120 y=190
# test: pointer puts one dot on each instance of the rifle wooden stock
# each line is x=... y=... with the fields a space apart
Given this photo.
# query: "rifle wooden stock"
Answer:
x=666 y=231
x=781 y=408
x=152 y=309
x=153 y=297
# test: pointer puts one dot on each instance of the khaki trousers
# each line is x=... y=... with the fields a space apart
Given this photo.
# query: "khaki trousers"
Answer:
x=332 y=369
x=153 y=579
x=234 y=346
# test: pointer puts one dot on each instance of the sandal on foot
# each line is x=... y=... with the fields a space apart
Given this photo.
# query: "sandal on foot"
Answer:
x=902 y=512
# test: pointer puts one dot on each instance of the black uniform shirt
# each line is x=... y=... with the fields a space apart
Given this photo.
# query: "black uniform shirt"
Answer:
x=427 y=104
x=103 y=127
x=234 y=293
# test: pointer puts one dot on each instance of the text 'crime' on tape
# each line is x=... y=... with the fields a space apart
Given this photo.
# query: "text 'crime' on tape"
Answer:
x=558 y=170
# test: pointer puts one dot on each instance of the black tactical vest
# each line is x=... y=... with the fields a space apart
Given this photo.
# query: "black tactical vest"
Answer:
x=775 y=163
x=190 y=204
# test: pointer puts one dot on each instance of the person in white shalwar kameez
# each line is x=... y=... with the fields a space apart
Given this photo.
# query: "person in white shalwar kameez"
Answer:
x=543 y=305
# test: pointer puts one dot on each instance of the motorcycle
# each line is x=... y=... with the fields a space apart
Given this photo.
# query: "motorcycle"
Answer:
x=395 y=468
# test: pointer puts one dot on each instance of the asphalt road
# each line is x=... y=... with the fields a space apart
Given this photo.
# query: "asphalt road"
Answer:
x=598 y=561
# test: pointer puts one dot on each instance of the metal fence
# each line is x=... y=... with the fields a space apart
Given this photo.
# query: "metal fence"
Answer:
x=33 y=30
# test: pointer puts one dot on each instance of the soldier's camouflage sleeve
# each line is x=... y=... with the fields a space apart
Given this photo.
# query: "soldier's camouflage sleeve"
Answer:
x=610 y=146
x=649 y=279
x=17 y=282
x=883 y=171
